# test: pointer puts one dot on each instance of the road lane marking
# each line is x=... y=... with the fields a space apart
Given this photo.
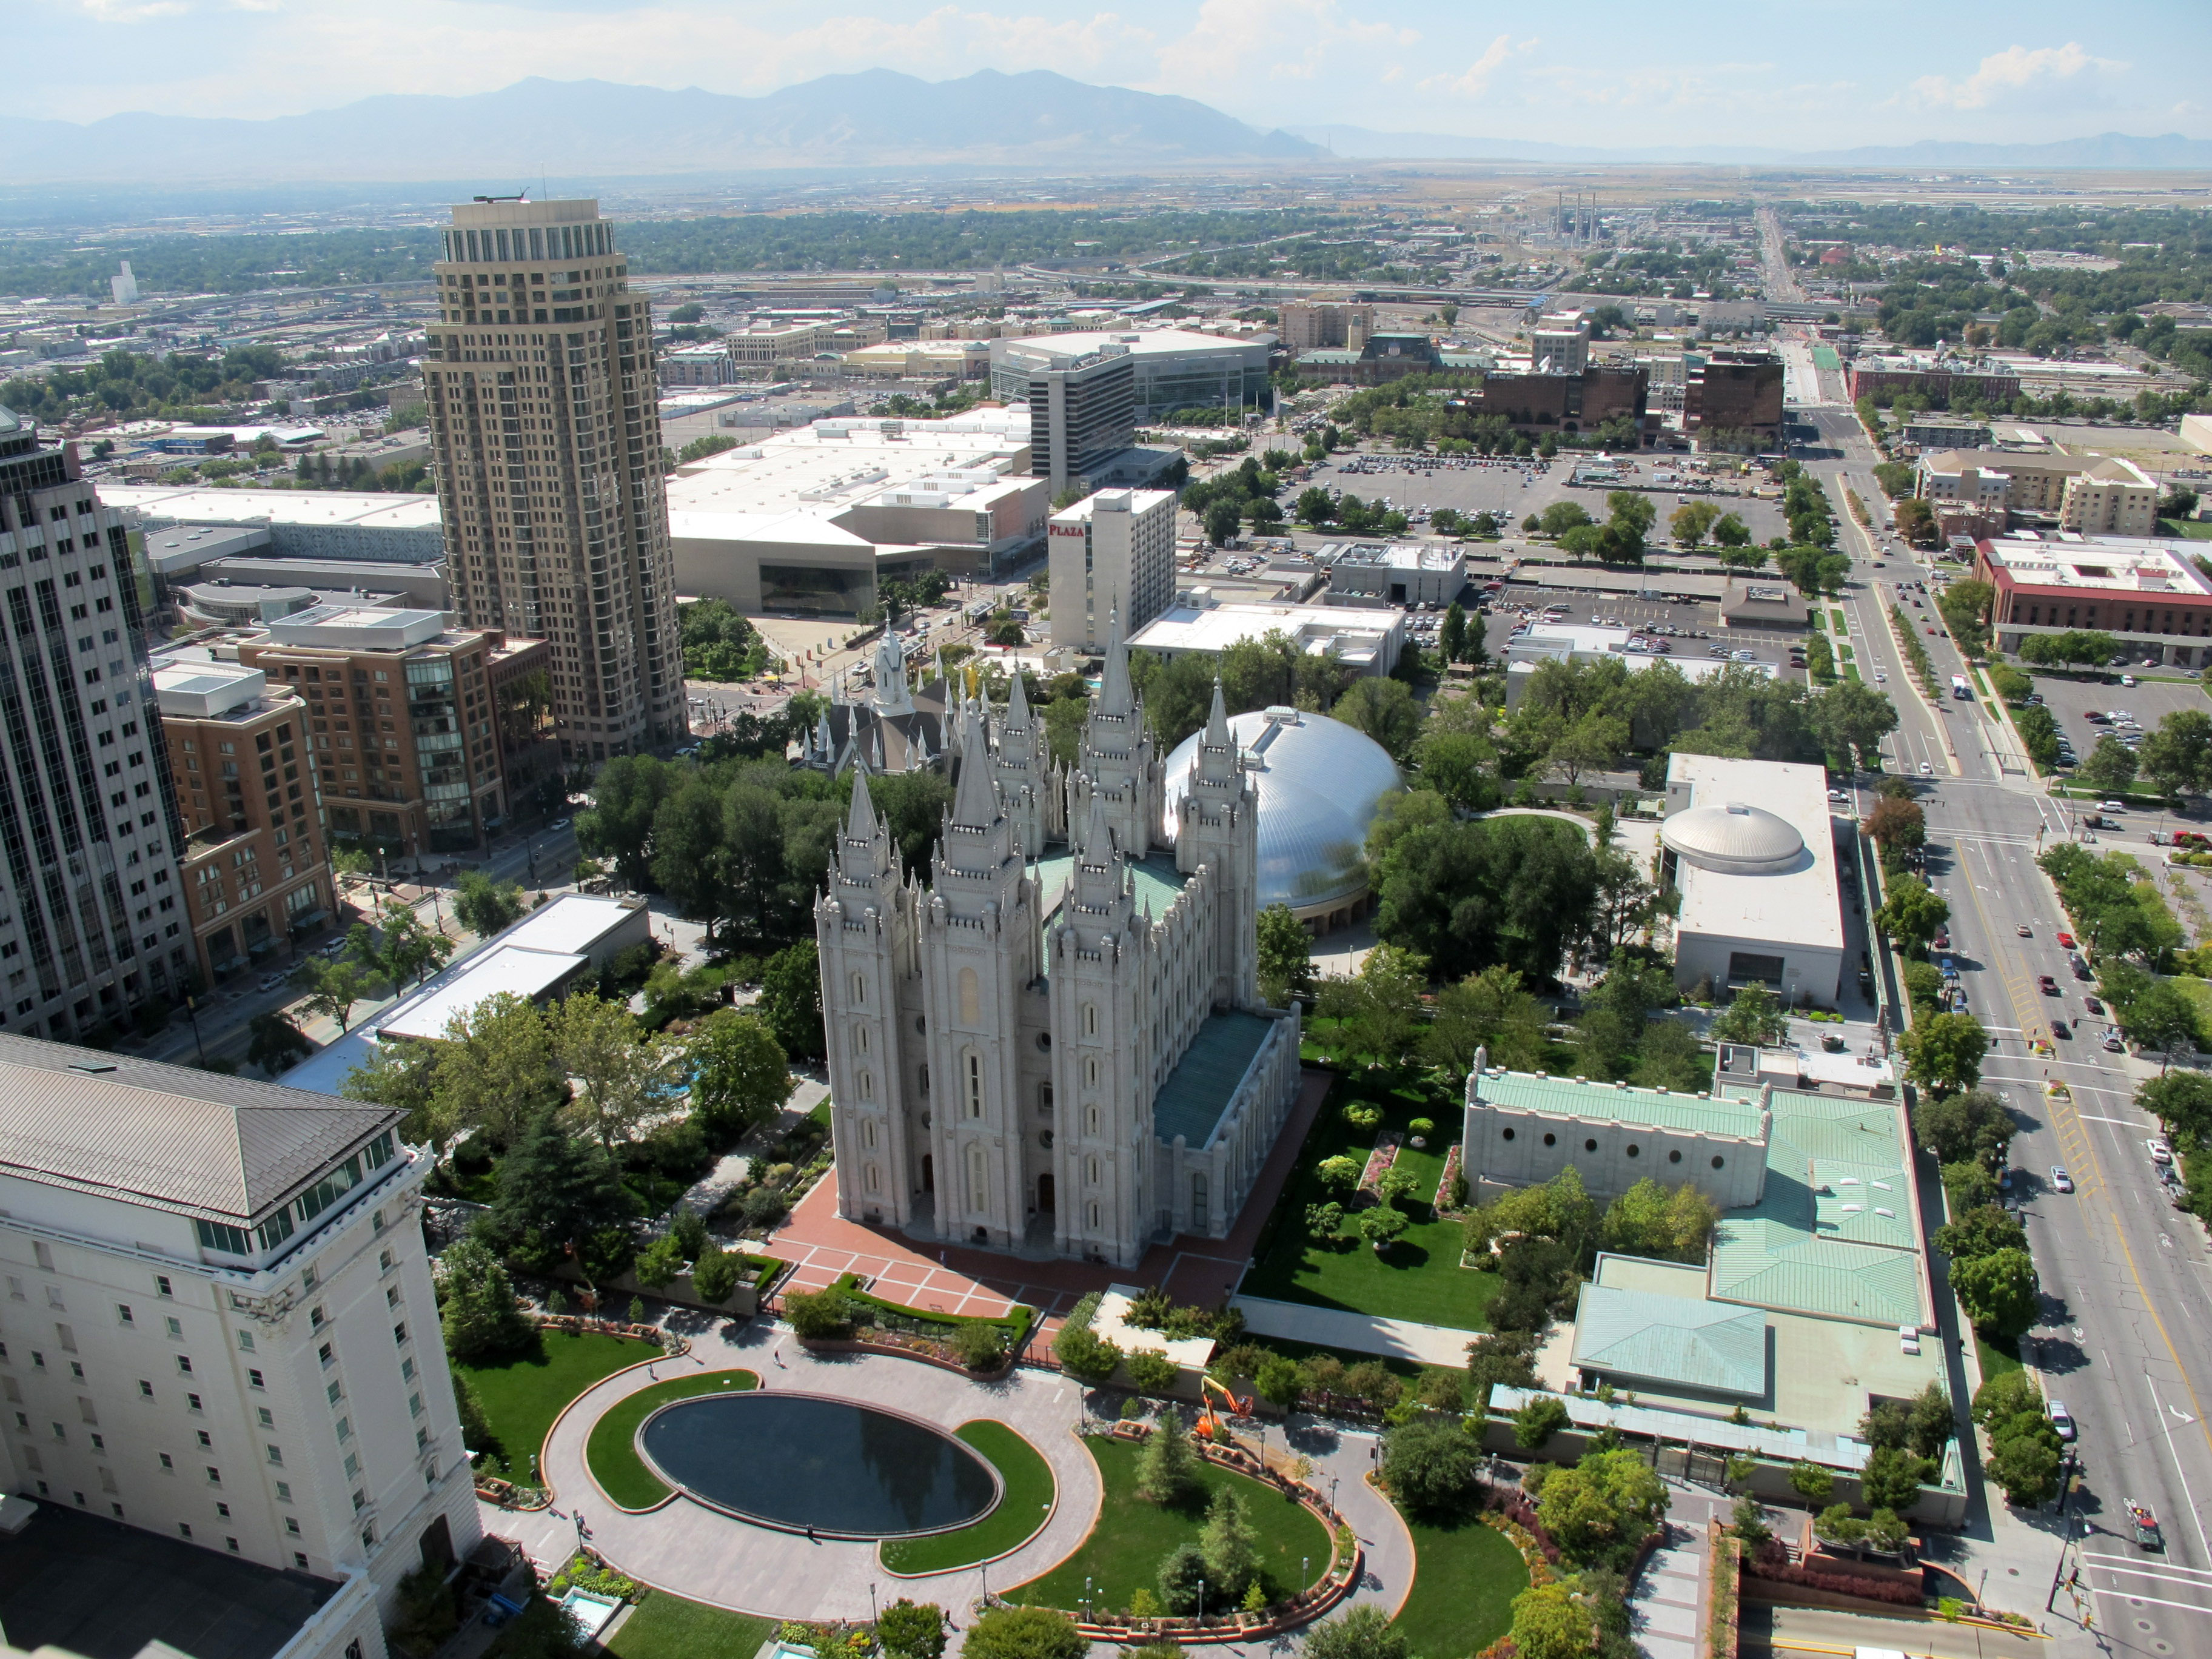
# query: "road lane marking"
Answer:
x=2187 y=1495
x=2133 y=1599
x=2125 y=1123
x=2130 y=1566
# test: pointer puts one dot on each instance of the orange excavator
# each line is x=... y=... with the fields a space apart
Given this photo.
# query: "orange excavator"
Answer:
x=1209 y=1423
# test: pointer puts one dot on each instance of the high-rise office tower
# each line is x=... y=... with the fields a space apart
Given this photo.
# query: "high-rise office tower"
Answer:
x=545 y=415
x=90 y=922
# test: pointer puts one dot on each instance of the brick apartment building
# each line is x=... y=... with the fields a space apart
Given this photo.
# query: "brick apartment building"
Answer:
x=405 y=719
x=1991 y=385
x=1537 y=403
x=255 y=871
x=1735 y=392
x=2147 y=595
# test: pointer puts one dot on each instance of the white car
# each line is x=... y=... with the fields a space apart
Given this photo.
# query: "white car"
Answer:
x=2159 y=1151
x=1926 y=770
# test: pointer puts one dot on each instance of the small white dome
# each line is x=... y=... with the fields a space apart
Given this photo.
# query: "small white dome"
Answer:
x=1740 y=840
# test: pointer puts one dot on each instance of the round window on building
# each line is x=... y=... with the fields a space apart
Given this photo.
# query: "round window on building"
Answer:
x=921 y=1024
x=1044 y=1041
x=1674 y=1157
x=1551 y=1140
x=1717 y=1162
x=1045 y=1140
x=1633 y=1148
x=1508 y=1134
x=1589 y=1145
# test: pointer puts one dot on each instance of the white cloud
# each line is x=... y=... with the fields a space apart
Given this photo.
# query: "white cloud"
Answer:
x=132 y=11
x=1476 y=80
x=1231 y=37
x=2015 y=68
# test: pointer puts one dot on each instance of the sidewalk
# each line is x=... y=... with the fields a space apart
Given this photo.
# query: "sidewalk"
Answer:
x=1334 y=1327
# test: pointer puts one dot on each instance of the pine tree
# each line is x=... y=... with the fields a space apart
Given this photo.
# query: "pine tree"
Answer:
x=1232 y=1555
x=1166 y=1468
x=557 y=1188
x=480 y=1316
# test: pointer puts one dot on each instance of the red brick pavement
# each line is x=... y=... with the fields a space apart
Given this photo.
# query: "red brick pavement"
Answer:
x=957 y=1279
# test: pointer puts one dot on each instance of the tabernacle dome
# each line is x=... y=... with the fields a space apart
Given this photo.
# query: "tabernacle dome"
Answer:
x=1319 y=781
x=1740 y=840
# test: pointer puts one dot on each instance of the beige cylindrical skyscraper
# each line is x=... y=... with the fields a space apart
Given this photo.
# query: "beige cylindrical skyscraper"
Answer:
x=543 y=412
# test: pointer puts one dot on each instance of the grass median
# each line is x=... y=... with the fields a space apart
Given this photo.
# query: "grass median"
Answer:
x=522 y=1396
x=1023 y=1507
x=612 y=1452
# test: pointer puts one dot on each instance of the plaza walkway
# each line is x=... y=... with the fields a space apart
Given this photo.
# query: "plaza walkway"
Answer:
x=1340 y=1328
x=696 y=1552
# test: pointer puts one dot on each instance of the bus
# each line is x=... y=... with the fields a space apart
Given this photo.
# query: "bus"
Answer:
x=1960 y=688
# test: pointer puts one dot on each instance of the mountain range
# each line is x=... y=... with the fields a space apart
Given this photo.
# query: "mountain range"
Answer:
x=878 y=120
x=599 y=128
x=2106 y=149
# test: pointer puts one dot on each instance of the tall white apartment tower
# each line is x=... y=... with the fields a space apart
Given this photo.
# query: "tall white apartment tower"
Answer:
x=544 y=418
x=1111 y=553
x=217 y=1323
x=91 y=923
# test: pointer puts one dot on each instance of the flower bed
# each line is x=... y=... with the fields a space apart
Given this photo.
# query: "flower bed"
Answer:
x=1771 y=1563
x=1384 y=1155
x=1445 y=1205
x=1015 y=1323
x=1724 y=1561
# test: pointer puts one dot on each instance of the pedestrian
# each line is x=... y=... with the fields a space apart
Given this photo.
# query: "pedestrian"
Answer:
x=778 y=1356
x=810 y=1538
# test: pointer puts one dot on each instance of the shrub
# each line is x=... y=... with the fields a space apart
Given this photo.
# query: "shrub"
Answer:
x=1811 y=1481
x=1150 y=1369
x=1324 y=1221
x=658 y=1266
x=1365 y=1632
x=978 y=1346
x=818 y=1313
x=689 y=1229
x=906 y=1630
x=715 y=1274
x=1422 y=1125
x=1025 y=1633
x=765 y=1207
x=1538 y=1421
x=1364 y=1115
x=1083 y=1354
x=1182 y=1579
x=1341 y=1171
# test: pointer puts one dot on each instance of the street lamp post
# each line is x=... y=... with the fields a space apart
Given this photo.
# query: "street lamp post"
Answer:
x=192 y=1013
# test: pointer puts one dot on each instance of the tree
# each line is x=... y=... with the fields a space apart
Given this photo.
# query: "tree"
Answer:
x=624 y=1079
x=1284 y=951
x=276 y=1043
x=740 y=1076
x=906 y=1630
x=1487 y=1009
x=1608 y=1498
x=1385 y=710
x=1539 y=1419
x=1812 y=1482
x=1974 y=1125
x=2178 y=757
x=1513 y=890
x=1592 y=744
x=715 y=1274
x=483 y=906
x=1365 y=1632
x=1692 y=520
x=495 y=1069
x=2182 y=1101
x=1896 y=822
x=1754 y=1017
x=2024 y=1466
x=1892 y=1478
x=1647 y=1220
x=626 y=795
x=480 y=1316
x=333 y=988
x=1451 y=635
x=1462 y=767
x=1913 y=914
x=2005 y=1395
x=1429 y=1466
x=1668 y=1056
x=1083 y=1354
x=1984 y=1231
x=1549 y=1623
x=1229 y=1545
x=403 y=1075
x=1181 y=1580
x=1560 y=517
x=791 y=999
x=2111 y=767
x=1945 y=1054
x=1025 y=1633
x=1998 y=1291
x=1167 y=1471
x=1223 y=520
x=1851 y=718
x=556 y=1190
x=409 y=950
x=1378 y=1009
x=1382 y=1226
x=1730 y=530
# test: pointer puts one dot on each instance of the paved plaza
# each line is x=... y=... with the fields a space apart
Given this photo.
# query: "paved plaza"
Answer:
x=702 y=1555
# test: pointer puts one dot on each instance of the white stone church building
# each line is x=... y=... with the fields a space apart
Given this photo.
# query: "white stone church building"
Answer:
x=1058 y=1046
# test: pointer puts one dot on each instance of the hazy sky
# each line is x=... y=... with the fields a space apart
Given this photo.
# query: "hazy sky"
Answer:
x=1780 y=72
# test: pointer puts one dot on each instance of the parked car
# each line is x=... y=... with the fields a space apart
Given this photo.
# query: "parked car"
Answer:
x=2112 y=1043
x=2159 y=1152
x=2047 y=985
x=2060 y=1030
x=2111 y=806
x=2065 y=940
x=2093 y=1006
x=273 y=981
x=2061 y=1418
x=2060 y=1181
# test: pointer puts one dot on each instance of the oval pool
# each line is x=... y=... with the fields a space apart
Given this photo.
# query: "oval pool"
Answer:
x=798 y=1460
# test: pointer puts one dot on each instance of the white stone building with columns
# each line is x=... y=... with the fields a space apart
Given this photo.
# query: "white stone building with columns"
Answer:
x=1057 y=1045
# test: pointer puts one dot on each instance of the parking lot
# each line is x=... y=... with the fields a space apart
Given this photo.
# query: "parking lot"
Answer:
x=1425 y=482
x=1698 y=630
x=2071 y=701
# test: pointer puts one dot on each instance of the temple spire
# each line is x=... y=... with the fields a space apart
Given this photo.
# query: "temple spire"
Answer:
x=1116 y=696
x=1017 y=706
x=975 y=802
x=1216 y=720
x=862 y=825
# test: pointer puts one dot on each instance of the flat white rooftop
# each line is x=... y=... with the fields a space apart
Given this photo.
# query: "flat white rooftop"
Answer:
x=1800 y=907
x=575 y=922
x=290 y=507
x=507 y=968
x=837 y=464
x=2121 y=564
x=1351 y=633
x=357 y=628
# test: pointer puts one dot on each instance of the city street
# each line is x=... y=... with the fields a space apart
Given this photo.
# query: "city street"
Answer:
x=2126 y=1340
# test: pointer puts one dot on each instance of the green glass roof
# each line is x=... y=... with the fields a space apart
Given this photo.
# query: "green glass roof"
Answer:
x=1691 y=1344
x=1191 y=1101
x=1159 y=883
x=1650 y=1107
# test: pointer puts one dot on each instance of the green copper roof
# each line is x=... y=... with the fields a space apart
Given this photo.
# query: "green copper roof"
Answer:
x=1650 y=1107
x=1637 y=1335
x=1198 y=1090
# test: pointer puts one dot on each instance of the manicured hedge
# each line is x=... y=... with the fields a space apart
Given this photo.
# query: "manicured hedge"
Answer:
x=1015 y=1322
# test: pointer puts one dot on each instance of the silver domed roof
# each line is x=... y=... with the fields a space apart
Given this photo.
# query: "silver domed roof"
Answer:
x=1740 y=840
x=1319 y=781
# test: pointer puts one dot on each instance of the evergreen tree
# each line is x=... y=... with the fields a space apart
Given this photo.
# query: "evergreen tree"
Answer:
x=480 y=1316
x=1166 y=1468
x=555 y=1191
x=1229 y=1545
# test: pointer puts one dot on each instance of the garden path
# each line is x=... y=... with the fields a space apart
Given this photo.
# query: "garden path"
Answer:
x=1666 y=1605
x=704 y=1556
x=1340 y=1328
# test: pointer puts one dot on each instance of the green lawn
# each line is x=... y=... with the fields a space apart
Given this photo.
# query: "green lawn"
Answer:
x=1465 y=1577
x=1996 y=1357
x=1124 y=1552
x=612 y=1452
x=521 y=1398
x=1420 y=1278
x=666 y=1626
x=2195 y=530
x=1022 y=1509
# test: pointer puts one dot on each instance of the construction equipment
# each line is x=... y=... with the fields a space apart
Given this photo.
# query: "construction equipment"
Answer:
x=1208 y=1423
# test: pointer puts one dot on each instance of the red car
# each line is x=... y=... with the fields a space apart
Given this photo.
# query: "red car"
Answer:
x=2066 y=941
x=2049 y=984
